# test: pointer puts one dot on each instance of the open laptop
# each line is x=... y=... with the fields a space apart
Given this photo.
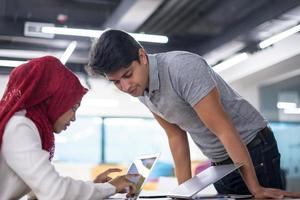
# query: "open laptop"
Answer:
x=190 y=188
x=143 y=166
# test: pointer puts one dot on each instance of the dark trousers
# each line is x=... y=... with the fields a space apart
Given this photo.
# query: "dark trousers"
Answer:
x=266 y=161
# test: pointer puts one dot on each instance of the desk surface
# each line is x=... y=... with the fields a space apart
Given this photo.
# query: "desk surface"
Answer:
x=156 y=195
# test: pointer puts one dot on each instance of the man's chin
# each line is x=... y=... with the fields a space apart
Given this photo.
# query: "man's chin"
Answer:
x=136 y=95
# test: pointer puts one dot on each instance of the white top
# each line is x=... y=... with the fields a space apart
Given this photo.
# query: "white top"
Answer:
x=25 y=166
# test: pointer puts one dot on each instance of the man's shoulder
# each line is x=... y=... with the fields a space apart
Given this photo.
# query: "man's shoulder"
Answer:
x=180 y=62
x=175 y=55
x=178 y=59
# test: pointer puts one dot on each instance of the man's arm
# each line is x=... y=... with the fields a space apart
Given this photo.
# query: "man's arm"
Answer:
x=179 y=146
x=212 y=114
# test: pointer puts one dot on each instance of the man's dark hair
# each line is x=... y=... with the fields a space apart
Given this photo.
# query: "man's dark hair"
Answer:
x=114 y=50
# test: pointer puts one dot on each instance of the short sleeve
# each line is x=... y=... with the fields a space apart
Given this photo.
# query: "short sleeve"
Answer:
x=192 y=79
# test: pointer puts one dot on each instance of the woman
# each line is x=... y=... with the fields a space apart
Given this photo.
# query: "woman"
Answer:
x=42 y=97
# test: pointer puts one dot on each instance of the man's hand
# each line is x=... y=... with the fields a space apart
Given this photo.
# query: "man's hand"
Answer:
x=265 y=193
x=123 y=184
x=103 y=177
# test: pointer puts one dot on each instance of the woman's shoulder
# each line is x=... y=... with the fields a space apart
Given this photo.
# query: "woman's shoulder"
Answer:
x=19 y=120
x=20 y=131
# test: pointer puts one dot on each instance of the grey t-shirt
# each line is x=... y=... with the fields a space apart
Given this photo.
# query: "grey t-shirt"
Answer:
x=178 y=81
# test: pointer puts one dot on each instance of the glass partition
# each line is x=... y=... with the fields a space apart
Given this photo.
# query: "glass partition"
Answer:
x=288 y=138
x=80 y=142
x=125 y=138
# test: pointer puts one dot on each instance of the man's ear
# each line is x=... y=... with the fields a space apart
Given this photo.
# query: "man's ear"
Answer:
x=143 y=56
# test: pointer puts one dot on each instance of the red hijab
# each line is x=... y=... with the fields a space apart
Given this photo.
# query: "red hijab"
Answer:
x=46 y=89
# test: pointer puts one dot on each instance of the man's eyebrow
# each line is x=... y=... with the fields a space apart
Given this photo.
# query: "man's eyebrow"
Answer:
x=124 y=74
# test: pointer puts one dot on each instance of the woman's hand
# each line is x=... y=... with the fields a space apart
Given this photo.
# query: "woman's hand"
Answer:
x=123 y=184
x=103 y=177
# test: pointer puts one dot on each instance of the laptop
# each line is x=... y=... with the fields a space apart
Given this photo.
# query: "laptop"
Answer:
x=190 y=188
x=143 y=166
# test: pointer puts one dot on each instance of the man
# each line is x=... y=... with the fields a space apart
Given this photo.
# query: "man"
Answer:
x=186 y=96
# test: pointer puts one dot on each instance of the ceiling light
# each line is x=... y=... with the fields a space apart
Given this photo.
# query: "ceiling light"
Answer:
x=230 y=62
x=286 y=105
x=294 y=111
x=97 y=33
x=11 y=63
x=71 y=31
x=278 y=37
x=71 y=47
x=26 y=54
x=149 y=38
x=223 y=52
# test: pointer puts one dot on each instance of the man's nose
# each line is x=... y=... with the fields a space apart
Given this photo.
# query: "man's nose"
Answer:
x=125 y=85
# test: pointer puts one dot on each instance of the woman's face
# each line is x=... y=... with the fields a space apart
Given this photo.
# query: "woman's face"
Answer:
x=65 y=119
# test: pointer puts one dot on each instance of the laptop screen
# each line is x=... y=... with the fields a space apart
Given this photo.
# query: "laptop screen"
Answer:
x=142 y=166
x=202 y=180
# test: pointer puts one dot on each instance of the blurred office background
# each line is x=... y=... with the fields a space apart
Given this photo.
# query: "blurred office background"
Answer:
x=252 y=44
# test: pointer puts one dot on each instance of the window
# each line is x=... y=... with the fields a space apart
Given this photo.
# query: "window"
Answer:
x=125 y=138
x=111 y=140
x=80 y=142
x=288 y=138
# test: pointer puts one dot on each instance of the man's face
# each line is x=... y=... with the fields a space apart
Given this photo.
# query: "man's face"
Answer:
x=133 y=79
